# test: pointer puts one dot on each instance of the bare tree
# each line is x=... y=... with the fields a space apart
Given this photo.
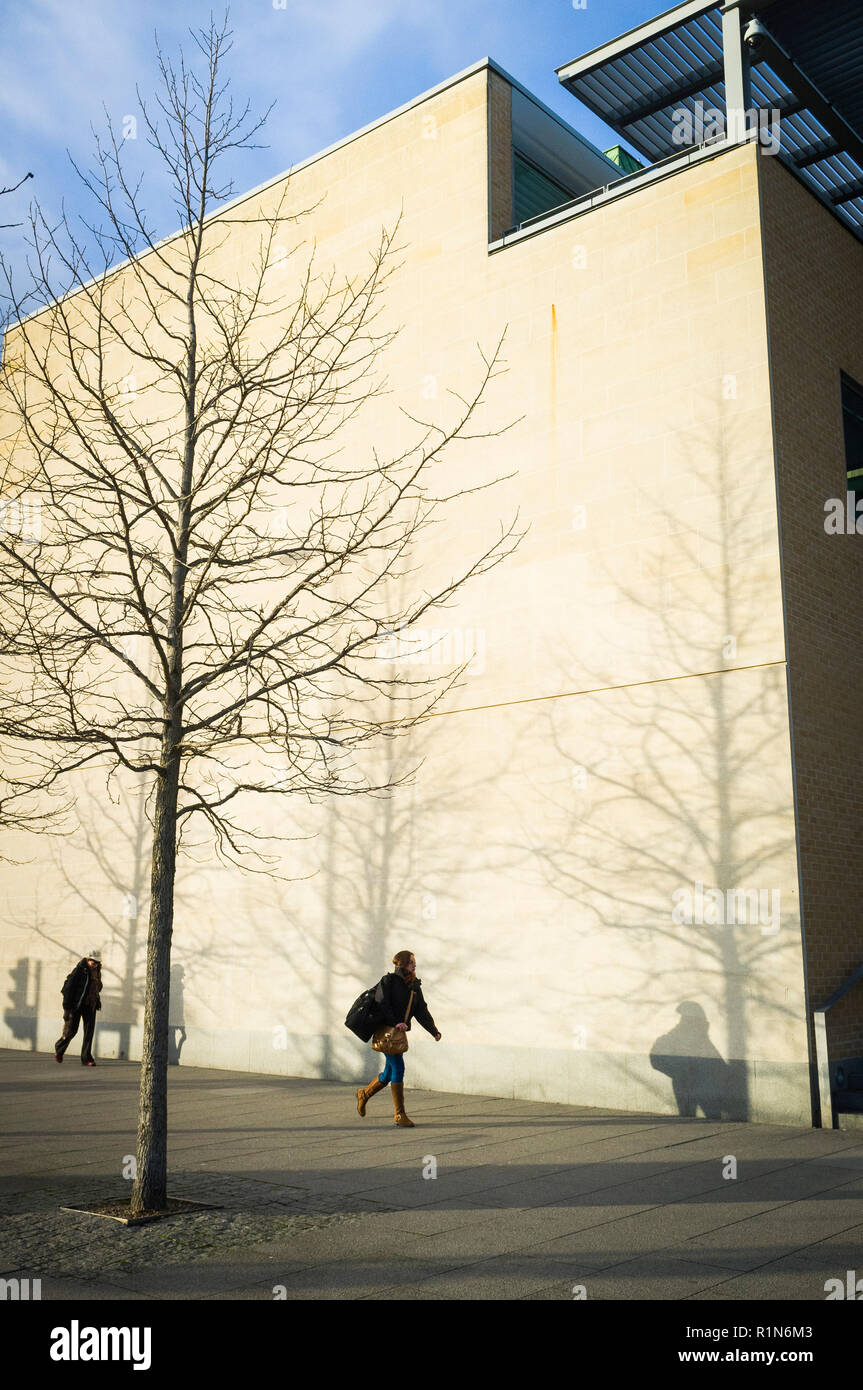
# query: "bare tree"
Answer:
x=206 y=583
x=4 y=226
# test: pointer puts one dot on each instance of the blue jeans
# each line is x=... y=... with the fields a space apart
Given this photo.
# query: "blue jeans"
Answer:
x=394 y=1070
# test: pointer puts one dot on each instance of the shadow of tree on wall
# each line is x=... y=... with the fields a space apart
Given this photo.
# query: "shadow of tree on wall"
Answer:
x=104 y=868
x=658 y=787
x=111 y=879
x=389 y=874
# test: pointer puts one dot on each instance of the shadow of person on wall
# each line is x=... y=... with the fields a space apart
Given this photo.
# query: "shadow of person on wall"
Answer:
x=700 y=1078
x=176 y=1024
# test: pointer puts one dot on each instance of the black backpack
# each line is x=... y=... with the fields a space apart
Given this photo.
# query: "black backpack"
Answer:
x=365 y=1015
x=69 y=981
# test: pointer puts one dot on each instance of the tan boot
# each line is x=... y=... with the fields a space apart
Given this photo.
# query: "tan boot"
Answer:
x=398 y=1090
x=365 y=1093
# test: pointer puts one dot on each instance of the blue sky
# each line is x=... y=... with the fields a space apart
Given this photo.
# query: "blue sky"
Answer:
x=331 y=66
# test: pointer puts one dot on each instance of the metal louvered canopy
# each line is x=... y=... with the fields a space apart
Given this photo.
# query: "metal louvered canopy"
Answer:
x=796 y=58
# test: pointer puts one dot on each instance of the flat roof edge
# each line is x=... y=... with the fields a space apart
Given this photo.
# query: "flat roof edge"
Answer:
x=479 y=66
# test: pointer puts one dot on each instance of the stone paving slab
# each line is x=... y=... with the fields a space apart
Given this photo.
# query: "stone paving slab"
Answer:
x=529 y=1199
x=649 y=1277
x=803 y=1273
x=796 y=1226
x=849 y=1158
x=508 y=1277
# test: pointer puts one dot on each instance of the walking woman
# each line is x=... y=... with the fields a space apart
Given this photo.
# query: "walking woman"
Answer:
x=81 y=990
x=396 y=989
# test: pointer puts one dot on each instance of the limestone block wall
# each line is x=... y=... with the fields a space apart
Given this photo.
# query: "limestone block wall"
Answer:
x=595 y=859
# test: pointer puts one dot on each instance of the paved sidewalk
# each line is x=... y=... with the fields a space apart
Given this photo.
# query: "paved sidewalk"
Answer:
x=529 y=1202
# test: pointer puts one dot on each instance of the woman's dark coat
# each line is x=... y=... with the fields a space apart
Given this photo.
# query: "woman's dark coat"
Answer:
x=75 y=987
x=392 y=997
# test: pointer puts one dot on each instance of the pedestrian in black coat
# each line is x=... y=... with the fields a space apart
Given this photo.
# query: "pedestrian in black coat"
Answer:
x=81 y=990
x=392 y=997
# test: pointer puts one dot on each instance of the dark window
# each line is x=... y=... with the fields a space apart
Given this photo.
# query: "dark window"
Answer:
x=852 y=420
x=533 y=191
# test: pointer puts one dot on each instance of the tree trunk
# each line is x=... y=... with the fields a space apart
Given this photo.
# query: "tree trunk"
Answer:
x=150 y=1190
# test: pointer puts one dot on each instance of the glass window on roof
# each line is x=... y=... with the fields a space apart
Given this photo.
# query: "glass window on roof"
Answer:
x=533 y=191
